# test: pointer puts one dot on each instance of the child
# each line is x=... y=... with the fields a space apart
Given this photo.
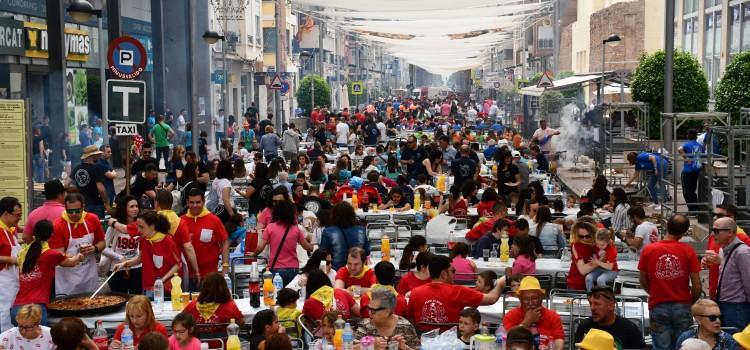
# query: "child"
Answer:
x=327 y=329
x=515 y=283
x=571 y=203
x=288 y=311
x=519 y=338
x=486 y=281
x=605 y=257
x=265 y=323
x=468 y=324
x=183 y=333
x=235 y=227
x=525 y=256
x=461 y=263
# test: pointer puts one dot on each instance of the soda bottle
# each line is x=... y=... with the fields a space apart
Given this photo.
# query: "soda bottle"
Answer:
x=101 y=339
x=417 y=200
x=176 y=292
x=385 y=248
x=158 y=296
x=355 y=200
x=126 y=339
x=268 y=294
x=348 y=337
x=254 y=286
x=504 y=248
x=451 y=240
x=338 y=335
x=365 y=202
x=233 y=331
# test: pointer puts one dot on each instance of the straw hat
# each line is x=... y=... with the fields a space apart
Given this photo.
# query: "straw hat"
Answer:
x=597 y=339
x=90 y=151
x=530 y=283
x=743 y=338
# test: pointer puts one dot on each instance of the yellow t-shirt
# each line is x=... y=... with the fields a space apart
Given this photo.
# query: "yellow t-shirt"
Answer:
x=286 y=316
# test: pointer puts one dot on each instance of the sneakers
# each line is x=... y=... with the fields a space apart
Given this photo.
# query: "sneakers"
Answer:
x=657 y=207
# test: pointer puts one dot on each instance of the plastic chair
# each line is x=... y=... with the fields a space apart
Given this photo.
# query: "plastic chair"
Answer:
x=214 y=343
x=573 y=329
x=297 y=344
x=509 y=302
x=309 y=326
x=211 y=330
x=246 y=261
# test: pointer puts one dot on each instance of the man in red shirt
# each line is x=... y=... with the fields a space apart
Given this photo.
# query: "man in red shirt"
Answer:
x=356 y=272
x=669 y=273
x=77 y=231
x=543 y=323
x=483 y=228
x=438 y=304
x=178 y=231
x=315 y=116
x=208 y=235
x=385 y=273
x=712 y=260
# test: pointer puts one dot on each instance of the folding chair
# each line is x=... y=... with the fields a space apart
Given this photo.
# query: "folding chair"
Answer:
x=561 y=280
x=466 y=279
x=573 y=329
x=211 y=330
x=509 y=302
x=297 y=344
x=214 y=343
x=292 y=327
x=309 y=326
x=246 y=261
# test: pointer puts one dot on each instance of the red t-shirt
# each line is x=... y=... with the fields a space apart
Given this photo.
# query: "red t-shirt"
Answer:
x=157 y=259
x=207 y=234
x=344 y=303
x=484 y=208
x=158 y=328
x=438 y=302
x=63 y=231
x=486 y=226
x=402 y=308
x=713 y=270
x=460 y=209
x=367 y=280
x=668 y=265
x=7 y=241
x=225 y=313
x=580 y=251
x=409 y=282
x=35 y=286
x=609 y=254
x=549 y=325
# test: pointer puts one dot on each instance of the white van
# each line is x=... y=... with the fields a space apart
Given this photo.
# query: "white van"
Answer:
x=433 y=92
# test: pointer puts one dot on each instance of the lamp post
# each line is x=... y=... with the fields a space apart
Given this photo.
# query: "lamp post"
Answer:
x=82 y=11
x=211 y=37
x=308 y=56
x=612 y=40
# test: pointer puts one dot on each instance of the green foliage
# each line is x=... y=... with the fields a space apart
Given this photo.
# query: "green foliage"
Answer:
x=571 y=92
x=550 y=102
x=535 y=79
x=322 y=93
x=80 y=88
x=690 y=91
x=564 y=74
x=732 y=92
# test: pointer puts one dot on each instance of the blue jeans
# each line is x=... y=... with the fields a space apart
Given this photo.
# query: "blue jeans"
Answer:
x=668 y=321
x=599 y=277
x=14 y=311
x=219 y=137
x=735 y=315
x=39 y=168
x=97 y=209
x=286 y=274
x=656 y=187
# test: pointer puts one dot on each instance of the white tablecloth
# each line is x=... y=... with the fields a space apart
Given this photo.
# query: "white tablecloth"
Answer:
x=363 y=215
x=494 y=313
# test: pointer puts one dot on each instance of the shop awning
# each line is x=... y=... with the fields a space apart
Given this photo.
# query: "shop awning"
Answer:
x=560 y=84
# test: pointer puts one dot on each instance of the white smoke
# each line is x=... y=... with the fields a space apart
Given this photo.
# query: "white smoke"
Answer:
x=571 y=133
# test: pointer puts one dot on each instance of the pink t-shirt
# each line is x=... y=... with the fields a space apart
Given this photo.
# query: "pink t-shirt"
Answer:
x=463 y=265
x=273 y=234
x=265 y=217
x=194 y=344
x=523 y=265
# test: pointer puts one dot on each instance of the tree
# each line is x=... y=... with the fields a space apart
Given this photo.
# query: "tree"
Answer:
x=690 y=89
x=322 y=93
x=732 y=92
x=550 y=102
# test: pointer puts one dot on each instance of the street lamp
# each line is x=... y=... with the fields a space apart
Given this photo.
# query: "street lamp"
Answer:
x=82 y=11
x=211 y=37
x=308 y=55
x=612 y=40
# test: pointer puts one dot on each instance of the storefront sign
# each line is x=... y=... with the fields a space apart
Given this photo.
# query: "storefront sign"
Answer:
x=14 y=152
x=77 y=42
x=11 y=37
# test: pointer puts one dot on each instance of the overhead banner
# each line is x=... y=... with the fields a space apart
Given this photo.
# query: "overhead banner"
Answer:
x=14 y=150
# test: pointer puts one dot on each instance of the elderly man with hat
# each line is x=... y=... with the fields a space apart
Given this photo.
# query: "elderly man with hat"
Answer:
x=51 y=209
x=597 y=339
x=543 y=323
x=89 y=179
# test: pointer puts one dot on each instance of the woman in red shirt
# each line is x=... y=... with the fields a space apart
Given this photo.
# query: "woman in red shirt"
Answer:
x=158 y=252
x=418 y=277
x=489 y=198
x=322 y=297
x=214 y=304
x=139 y=317
x=455 y=205
x=582 y=244
x=38 y=264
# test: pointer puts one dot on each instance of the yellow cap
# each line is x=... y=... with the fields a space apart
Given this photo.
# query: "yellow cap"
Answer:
x=743 y=338
x=530 y=283
x=597 y=339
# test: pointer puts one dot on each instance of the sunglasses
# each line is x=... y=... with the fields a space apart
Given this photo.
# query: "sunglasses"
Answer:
x=584 y=236
x=74 y=211
x=717 y=231
x=719 y=215
x=329 y=262
x=374 y=309
x=712 y=318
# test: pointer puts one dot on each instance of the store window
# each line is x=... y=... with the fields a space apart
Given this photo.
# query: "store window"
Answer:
x=689 y=6
x=734 y=29
x=690 y=36
x=712 y=49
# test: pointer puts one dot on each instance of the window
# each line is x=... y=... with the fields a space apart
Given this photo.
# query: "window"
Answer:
x=712 y=3
x=689 y=6
x=734 y=29
x=690 y=37
x=712 y=49
x=257 y=30
x=708 y=39
x=745 y=27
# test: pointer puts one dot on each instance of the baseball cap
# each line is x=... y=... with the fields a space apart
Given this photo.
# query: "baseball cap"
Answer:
x=516 y=154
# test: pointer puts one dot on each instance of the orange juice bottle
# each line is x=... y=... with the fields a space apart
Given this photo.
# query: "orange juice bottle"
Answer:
x=268 y=293
x=355 y=201
x=385 y=248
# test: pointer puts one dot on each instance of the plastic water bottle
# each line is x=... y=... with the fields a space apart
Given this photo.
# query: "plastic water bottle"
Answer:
x=549 y=187
x=419 y=217
x=229 y=282
x=126 y=339
x=500 y=336
x=158 y=295
x=348 y=337
x=278 y=283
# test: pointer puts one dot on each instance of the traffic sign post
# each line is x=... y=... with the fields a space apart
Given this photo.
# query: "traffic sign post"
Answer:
x=545 y=81
x=128 y=129
x=126 y=101
x=357 y=88
x=127 y=58
x=276 y=83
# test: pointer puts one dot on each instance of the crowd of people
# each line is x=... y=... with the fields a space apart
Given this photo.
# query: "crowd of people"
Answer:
x=299 y=190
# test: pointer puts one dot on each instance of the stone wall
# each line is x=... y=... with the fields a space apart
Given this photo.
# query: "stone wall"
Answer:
x=625 y=19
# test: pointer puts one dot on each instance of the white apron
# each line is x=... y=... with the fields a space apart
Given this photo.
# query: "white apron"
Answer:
x=10 y=285
x=82 y=278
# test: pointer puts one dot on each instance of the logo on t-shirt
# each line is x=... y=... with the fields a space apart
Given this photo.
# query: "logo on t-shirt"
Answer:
x=464 y=170
x=669 y=267
x=312 y=206
x=434 y=311
x=82 y=177
x=32 y=276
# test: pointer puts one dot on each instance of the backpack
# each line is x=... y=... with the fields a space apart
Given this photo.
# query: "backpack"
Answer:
x=177 y=194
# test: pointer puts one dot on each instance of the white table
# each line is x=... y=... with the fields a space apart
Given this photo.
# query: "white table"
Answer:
x=494 y=313
x=363 y=215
